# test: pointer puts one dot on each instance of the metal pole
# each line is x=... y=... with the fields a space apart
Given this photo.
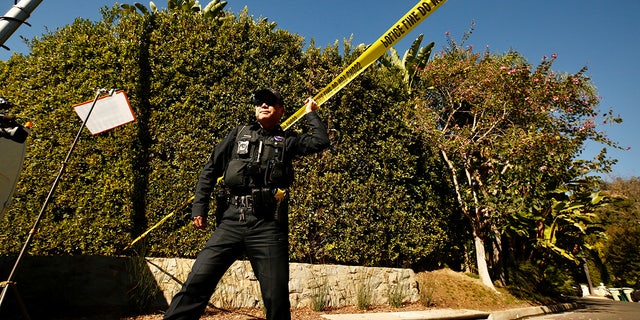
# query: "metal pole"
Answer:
x=9 y=281
x=15 y=17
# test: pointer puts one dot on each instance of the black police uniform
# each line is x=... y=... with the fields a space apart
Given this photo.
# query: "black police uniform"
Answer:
x=257 y=166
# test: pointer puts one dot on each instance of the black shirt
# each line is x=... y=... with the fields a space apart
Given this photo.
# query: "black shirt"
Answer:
x=295 y=145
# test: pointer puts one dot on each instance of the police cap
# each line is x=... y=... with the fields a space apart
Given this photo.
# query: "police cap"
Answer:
x=268 y=95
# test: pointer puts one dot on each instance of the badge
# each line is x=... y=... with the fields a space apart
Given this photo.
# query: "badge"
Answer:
x=243 y=147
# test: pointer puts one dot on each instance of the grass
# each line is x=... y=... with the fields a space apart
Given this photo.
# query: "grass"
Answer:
x=448 y=289
x=396 y=295
x=364 y=295
x=320 y=298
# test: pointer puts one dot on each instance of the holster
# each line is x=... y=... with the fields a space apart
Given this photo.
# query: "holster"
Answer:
x=222 y=204
x=263 y=198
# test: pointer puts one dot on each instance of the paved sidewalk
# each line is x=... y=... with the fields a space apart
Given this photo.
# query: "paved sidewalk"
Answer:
x=412 y=315
x=455 y=314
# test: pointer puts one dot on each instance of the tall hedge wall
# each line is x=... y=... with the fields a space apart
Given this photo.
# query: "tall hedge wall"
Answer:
x=376 y=199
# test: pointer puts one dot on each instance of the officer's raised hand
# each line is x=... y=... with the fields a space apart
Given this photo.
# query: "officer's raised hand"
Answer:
x=311 y=105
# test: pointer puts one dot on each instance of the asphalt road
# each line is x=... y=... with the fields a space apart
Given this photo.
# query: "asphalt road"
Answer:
x=598 y=309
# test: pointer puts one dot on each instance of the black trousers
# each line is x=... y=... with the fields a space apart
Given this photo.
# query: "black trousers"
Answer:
x=266 y=245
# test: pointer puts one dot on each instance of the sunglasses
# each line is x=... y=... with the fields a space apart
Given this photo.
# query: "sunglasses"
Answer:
x=270 y=101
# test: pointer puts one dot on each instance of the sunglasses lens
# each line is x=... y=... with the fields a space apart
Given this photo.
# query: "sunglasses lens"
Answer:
x=268 y=100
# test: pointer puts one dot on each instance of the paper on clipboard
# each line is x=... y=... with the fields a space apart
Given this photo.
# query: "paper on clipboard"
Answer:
x=108 y=113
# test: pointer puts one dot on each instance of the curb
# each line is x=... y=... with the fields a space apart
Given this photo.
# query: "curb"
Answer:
x=531 y=311
x=451 y=314
x=456 y=314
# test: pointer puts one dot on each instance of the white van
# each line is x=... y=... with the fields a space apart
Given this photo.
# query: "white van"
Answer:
x=13 y=137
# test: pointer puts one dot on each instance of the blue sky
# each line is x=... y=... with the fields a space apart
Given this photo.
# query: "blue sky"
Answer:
x=601 y=35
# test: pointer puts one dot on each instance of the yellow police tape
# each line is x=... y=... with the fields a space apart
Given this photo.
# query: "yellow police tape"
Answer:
x=159 y=223
x=400 y=29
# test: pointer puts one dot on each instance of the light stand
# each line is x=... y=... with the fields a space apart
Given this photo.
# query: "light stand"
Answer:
x=10 y=282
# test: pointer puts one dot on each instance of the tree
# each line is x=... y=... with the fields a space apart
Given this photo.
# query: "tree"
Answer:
x=507 y=136
x=414 y=60
x=212 y=11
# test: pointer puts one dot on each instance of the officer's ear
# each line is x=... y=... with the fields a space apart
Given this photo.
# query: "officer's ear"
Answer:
x=281 y=109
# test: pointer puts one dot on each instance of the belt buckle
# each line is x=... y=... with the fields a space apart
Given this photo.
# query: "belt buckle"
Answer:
x=246 y=207
x=246 y=201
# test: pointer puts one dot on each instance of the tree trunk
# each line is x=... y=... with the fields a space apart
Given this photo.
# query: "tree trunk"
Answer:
x=498 y=256
x=467 y=258
x=483 y=270
x=586 y=272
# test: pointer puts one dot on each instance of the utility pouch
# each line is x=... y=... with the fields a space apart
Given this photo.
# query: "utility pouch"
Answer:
x=263 y=199
x=274 y=152
x=241 y=167
x=275 y=171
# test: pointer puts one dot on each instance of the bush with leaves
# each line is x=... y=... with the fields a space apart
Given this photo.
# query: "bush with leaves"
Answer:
x=621 y=219
x=189 y=79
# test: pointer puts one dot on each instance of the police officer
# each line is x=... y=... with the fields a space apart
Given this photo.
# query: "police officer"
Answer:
x=256 y=163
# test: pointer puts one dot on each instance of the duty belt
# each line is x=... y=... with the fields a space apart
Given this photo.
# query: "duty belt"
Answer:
x=245 y=201
x=264 y=200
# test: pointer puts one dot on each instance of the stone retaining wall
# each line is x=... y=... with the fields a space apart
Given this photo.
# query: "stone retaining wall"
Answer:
x=336 y=285
x=117 y=286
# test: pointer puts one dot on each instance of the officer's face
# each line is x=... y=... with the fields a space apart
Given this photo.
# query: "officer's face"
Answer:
x=269 y=114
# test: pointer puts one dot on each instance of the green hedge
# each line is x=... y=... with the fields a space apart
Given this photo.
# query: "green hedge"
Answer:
x=375 y=200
